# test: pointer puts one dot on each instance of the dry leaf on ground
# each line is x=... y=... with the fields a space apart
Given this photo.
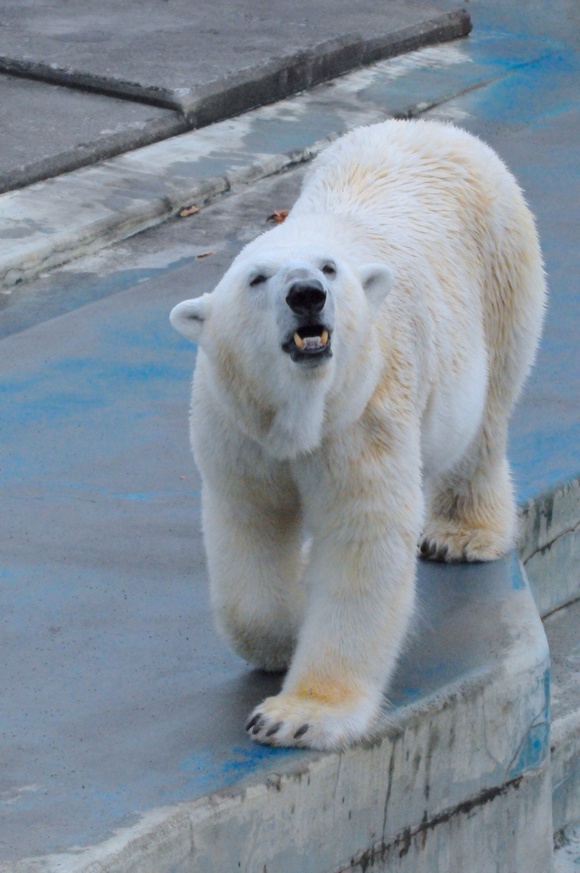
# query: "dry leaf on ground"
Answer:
x=205 y=254
x=189 y=210
x=279 y=215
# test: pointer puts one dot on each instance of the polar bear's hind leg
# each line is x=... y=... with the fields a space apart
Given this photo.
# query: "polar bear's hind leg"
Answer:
x=471 y=518
x=471 y=510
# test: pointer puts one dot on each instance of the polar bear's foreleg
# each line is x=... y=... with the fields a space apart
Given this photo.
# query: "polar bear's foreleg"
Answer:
x=361 y=593
x=255 y=564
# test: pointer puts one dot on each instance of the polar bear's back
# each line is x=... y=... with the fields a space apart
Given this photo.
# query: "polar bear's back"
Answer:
x=412 y=177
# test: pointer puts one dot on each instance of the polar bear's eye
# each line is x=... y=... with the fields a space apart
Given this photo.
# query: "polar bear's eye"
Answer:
x=257 y=280
x=329 y=270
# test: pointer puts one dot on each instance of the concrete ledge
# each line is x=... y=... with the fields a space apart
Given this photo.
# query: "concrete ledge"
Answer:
x=550 y=545
x=469 y=757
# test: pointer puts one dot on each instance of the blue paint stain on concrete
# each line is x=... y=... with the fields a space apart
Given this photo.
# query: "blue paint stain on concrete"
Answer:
x=279 y=135
x=519 y=583
x=528 y=95
x=203 y=768
x=535 y=745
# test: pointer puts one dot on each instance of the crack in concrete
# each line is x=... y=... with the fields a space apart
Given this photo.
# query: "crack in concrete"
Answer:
x=548 y=545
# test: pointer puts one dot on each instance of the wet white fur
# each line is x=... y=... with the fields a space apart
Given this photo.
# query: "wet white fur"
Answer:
x=399 y=437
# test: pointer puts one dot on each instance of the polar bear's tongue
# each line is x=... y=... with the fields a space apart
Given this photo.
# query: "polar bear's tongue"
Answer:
x=311 y=342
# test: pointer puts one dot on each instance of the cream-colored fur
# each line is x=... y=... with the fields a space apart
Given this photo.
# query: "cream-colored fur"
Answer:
x=434 y=285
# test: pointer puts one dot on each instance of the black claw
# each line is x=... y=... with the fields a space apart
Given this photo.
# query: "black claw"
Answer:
x=252 y=722
x=432 y=550
x=274 y=729
x=423 y=548
x=443 y=552
x=301 y=731
x=259 y=725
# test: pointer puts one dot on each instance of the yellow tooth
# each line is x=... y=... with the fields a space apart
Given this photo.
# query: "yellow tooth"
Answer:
x=298 y=340
x=324 y=337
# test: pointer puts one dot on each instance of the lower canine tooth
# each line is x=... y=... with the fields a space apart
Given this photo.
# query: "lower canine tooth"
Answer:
x=324 y=337
x=298 y=340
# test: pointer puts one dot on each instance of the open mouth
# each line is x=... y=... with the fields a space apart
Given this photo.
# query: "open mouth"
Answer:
x=309 y=341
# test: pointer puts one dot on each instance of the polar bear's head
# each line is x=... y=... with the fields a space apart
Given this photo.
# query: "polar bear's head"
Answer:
x=283 y=333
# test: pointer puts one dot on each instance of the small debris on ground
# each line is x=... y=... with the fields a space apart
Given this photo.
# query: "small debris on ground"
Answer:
x=279 y=216
x=188 y=210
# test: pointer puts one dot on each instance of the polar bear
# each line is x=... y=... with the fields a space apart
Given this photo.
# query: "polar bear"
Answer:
x=357 y=367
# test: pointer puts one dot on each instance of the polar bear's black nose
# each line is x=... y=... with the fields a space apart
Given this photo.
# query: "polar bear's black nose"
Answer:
x=307 y=297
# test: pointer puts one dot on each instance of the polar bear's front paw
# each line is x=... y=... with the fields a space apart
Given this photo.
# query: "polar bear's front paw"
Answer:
x=295 y=720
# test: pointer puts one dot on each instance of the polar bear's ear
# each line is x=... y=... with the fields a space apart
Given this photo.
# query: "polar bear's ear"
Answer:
x=189 y=317
x=377 y=281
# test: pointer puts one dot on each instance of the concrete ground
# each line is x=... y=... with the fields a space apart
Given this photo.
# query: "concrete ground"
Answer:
x=120 y=698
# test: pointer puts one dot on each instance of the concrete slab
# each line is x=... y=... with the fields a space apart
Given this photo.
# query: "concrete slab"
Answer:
x=62 y=129
x=199 y=57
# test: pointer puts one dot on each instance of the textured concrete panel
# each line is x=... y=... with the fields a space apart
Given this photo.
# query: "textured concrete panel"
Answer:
x=550 y=545
x=553 y=572
x=513 y=825
x=563 y=633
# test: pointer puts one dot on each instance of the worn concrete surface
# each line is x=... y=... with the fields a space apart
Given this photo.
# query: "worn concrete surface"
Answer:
x=550 y=545
x=197 y=63
x=49 y=129
x=125 y=700
x=567 y=855
x=563 y=633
